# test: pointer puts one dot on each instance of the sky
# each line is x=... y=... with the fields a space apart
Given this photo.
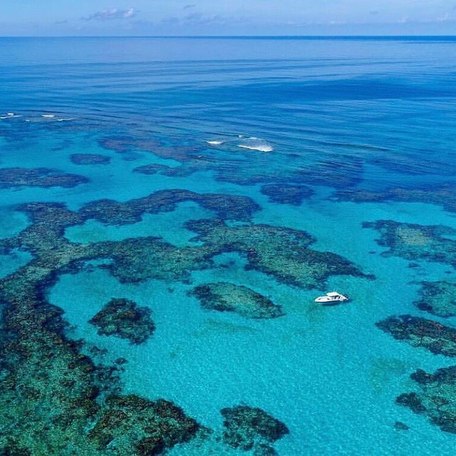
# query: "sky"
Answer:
x=226 y=17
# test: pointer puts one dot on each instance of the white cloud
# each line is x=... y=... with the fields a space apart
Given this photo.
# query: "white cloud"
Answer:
x=112 y=13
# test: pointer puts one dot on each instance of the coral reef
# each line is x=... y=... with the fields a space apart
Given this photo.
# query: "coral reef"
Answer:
x=38 y=177
x=228 y=297
x=438 y=298
x=125 y=319
x=250 y=427
x=40 y=365
x=150 y=169
x=133 y=425
x=441 y=195
x=264 y=450
x=90 y=159
x=416 y=242
x=287 y=193
x=224 y=206
x=400 y=426
x=45 y=377
x=419 y=332
x=342 y=171
x=435 y=398
x=281 y=252
x=139 y=259
x=406 y=163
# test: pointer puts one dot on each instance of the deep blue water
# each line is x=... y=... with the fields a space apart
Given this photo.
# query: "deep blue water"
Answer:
x=333 y=114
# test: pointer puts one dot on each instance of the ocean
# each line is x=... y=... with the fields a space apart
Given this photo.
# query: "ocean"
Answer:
x=170 y=208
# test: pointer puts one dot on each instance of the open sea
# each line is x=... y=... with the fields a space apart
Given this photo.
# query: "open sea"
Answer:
x=312 y=138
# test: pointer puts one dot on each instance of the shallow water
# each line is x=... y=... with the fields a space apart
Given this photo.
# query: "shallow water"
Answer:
x=331 y=115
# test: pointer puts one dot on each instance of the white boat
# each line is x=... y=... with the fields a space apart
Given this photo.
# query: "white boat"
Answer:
x=331 y=297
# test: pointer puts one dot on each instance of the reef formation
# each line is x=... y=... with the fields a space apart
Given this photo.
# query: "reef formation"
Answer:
x=287 y=193
x=443 y=195
x=125 y=319
x=420 y=332
x=438 y=298
x=90 y=159
x=342 y=171
x=80 y=400
x=416 y=242
x=111 y=212
x=248 y=428
x=151 y=169
x=228 y=297
x=133 y=425
x=434 y=398
x=283 y=253
x=44 y=375
x=39 y=177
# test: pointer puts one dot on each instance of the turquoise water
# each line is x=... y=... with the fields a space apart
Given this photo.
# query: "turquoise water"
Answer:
x=338 y=115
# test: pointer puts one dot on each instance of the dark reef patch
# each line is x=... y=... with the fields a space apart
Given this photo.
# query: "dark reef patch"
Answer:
x=419 y=332
x=90 y=159
x=438 y=298
x=441 y=195
x=133 y=425
x=341 y=172
x=125 y=319
x=125 y=144
x=112 y=212
x=281 y=252
x=400 y=426
x=228 y=297
x=416 y=242
x=250 y=427
x=287 y=193
x=264 y=450
x=435 y=398
x=150 y=169
x=38 y=177
x=406 y=163
x=139 y=259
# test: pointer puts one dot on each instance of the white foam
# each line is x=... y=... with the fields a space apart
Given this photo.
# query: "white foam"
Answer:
x=215 y=142
x=258 y=144
x=65 y=120
x=48 y=116
x=9 y=115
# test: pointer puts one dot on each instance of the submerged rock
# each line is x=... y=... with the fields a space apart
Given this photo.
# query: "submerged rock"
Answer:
x=435 y=397
x=90 y=159
x=438 y=298
x=419 y=332
x=250 y=427
x=287 y=193
x=125 y=319
x=228 y=297
x=39 y=177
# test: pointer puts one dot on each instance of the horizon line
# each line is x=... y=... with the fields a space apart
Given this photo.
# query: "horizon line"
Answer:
x=324 y=36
